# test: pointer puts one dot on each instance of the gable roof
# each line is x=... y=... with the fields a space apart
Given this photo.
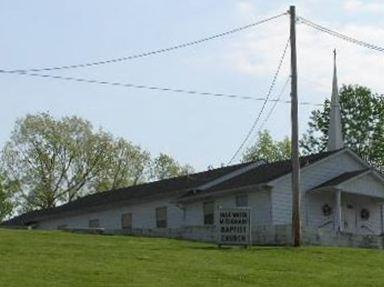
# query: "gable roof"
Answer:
x=341 y=178
x=267 y=172
x=179 y=186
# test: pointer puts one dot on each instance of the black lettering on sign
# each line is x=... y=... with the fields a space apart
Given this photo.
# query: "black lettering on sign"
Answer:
x=234 y=226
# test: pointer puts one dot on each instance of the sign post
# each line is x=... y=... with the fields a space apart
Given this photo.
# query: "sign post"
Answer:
x=234 y=226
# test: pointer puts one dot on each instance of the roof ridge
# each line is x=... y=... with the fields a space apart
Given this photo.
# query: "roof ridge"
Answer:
x=222 y=168
x=181 y=176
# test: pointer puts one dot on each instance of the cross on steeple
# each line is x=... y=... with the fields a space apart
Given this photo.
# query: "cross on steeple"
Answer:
x=335 y=132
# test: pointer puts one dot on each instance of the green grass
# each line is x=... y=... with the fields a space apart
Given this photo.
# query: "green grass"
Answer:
x=35 y=258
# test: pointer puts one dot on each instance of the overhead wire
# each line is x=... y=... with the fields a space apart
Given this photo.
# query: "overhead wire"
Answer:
x=255 y=122
x=34 y=72
x=147 y=87
x=154 y=52
x=340 y=35
x=277 y=100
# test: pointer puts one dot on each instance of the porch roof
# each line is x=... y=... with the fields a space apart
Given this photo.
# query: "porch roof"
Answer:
x=361 y=182
x=341 y=178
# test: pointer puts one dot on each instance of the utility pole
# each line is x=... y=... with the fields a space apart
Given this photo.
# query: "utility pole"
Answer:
x=296 y=220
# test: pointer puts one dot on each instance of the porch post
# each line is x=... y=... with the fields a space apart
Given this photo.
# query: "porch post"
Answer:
x=382 y=217
x=339 y=226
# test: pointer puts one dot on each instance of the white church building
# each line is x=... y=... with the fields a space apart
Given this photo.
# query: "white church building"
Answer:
x=342 y=199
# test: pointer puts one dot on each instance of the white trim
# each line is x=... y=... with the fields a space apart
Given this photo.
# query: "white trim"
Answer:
x=339 y=212
x=381 y=218
x=323 y=188
x=220 y=193
x=368 y=172
x=335 y=188
x=354 y=177
x=379 y=176
x=359 y=159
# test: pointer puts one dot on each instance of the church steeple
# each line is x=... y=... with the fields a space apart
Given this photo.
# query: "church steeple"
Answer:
x=335 y=132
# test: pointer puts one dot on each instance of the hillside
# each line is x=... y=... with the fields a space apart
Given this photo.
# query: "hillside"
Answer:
x=35 y=258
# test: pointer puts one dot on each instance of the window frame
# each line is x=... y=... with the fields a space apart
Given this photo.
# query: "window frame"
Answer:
x=238 y=200
x=161 y=222
x=123 y=217
x=209 y=213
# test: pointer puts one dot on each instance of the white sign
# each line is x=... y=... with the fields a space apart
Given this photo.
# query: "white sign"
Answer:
x=234 y=226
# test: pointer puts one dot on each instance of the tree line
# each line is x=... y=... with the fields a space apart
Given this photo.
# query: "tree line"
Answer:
x=48 y=161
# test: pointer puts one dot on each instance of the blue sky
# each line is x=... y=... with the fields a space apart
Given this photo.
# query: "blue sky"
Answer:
x=195 y=129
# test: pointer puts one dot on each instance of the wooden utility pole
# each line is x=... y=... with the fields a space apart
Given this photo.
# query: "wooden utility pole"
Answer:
x=296 y=221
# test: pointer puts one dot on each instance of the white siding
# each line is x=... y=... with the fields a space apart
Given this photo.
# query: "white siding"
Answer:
x=258 y=201
x=311 y=177
x=366 y=184
x=314 y=213
x=143 y=216
x=194 y=214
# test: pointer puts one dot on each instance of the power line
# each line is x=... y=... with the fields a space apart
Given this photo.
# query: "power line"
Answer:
x=340 y=35
x=154 y=52
x=264 y=104
x=277 y=100
x=146 y=87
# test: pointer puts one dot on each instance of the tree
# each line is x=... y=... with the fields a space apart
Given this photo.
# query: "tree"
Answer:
x=127 y=165
x=7 y=189
x=268 y=149
x=164 y=166
x=54 y=160
x=362 y=115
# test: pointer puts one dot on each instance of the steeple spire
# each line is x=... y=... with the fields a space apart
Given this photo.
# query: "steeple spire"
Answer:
x=335 y=133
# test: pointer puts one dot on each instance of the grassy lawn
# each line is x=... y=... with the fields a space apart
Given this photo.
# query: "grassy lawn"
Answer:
x=35 y=258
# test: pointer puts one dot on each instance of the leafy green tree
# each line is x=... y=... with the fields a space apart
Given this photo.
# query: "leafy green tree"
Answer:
x=7 y=190
x=362 y=120
x=164 y=166
x=268 y=149
x=127 y=165
x=54 y=160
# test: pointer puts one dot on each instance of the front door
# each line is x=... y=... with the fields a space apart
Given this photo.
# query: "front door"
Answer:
x=349 y=217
